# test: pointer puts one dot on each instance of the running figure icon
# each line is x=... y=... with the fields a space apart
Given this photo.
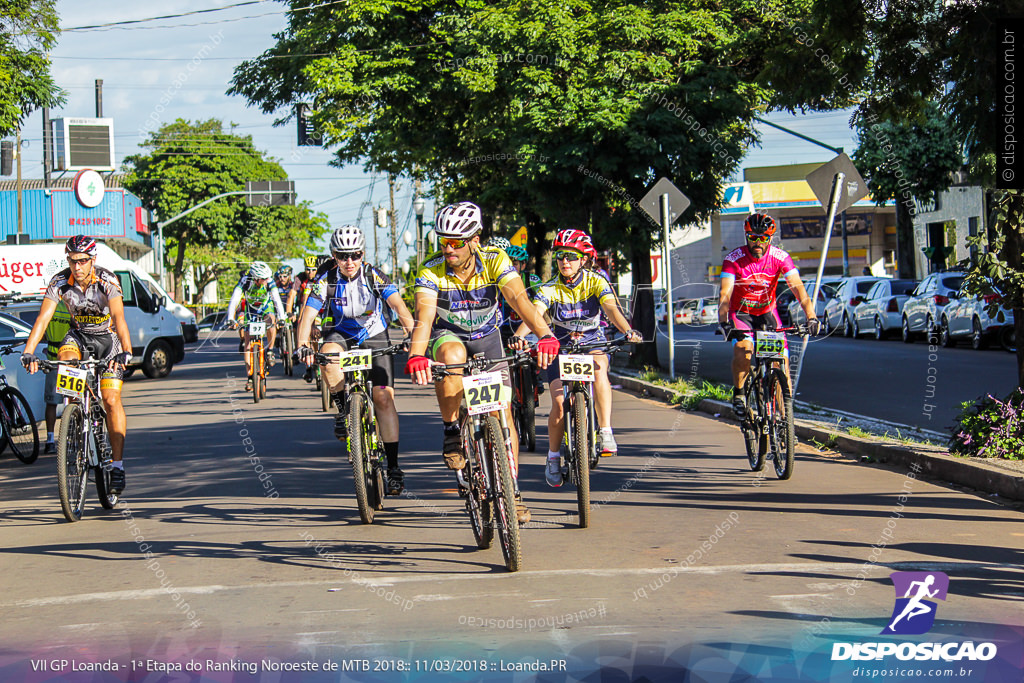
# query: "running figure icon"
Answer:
x=912 y=589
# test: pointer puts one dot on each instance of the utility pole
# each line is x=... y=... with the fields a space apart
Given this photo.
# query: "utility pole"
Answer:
x=17 y=156
x=47 y=149
x=99 y=98
x=393 y=221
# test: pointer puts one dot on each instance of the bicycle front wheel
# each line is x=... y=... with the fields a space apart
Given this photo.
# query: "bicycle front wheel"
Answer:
x=581 y=454
x=755 y=442
x=286 y=351
x=359 y=449
x=477 y=505
x=72 y=466
x=19 y=425
x=504 y=494
x=781 y=432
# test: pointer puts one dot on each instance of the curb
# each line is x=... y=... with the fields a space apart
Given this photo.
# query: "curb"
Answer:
x=933 y=462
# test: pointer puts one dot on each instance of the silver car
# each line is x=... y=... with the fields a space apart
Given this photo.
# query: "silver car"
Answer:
x=966 y=317
x=849 y=293
x=881 y=310
x=925 y=307
x=826 y=292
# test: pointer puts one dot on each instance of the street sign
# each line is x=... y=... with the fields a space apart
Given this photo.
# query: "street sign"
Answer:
x=519 y=239
x=307 y=134
x=270 y=193
x=677 y=201
x=854 y=188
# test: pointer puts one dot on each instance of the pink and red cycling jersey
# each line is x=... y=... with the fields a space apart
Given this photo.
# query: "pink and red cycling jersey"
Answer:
x=753 y=291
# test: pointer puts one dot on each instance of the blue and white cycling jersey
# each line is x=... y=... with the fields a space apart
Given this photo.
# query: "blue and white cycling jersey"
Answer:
x=356 y=306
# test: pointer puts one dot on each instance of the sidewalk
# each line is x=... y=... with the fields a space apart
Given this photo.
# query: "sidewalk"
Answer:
x=1004 y=478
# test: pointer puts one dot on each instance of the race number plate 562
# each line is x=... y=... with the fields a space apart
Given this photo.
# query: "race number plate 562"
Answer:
x=771 y=345
x=71 y=381
x=350 y=361
x=576 y=367
x=485 y=393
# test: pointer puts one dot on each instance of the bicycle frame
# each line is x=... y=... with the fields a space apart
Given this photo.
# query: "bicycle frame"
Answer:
x=92 y=406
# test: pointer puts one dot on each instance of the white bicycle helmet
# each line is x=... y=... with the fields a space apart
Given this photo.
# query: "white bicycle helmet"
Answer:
x=260 y=270
x=348 y=238
x=500 y=243
x=459 y=221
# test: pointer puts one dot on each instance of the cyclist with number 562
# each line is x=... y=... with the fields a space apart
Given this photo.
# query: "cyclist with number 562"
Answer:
x=98 y=330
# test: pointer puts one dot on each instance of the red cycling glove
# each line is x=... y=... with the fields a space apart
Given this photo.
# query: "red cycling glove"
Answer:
x=548 y=345
x=416 y=363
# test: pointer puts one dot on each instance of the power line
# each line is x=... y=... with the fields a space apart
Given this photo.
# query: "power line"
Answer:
x=132 y=23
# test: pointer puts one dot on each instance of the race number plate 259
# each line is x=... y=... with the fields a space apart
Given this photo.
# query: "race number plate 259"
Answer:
x=771 y=345
x=485 y=393
x=350 y=361
x=576 y=367
x=71 y=381
x=257 y=329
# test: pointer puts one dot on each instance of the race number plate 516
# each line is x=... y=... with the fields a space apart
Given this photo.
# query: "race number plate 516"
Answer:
x=485 y=393
x=257 y=329
x=771 y=345
x=576 y=367
x=71 y=381
x=350 y=361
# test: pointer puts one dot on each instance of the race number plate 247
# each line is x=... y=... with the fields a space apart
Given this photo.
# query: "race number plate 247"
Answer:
x=576 y=367
x=71 y=381
x=771 y=345
x=257 y=329
x=350 y=361
x=485 y=393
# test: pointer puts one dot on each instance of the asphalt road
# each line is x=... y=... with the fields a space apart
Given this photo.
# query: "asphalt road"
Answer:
x=692 y=561
x=888 y=380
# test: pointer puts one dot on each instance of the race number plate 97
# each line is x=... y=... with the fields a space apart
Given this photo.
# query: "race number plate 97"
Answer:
x=771 y=345
x=71 y=381
x=350 y=361
x=257 y=329
x=576 y=367
x=485 y=393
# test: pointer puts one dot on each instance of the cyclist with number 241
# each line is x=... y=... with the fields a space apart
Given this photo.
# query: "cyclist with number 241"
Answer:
x=574 y=299
x=98 y=329
x=747 y=300
x=353 y=294
x=457 y=317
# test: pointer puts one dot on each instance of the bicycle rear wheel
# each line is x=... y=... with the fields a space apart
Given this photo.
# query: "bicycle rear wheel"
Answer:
x=359 y=449
x=477 y=505
x=325 y=391
x=755 y=442
x=107 y=499
x=781 y=432
x=19 y=425
x=581 y=455
x=504 y=495
x=72 y=467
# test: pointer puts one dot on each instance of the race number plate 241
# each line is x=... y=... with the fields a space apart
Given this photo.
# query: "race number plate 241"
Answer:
x=71 y=381
x=350 y=361
x=485 y=393
x=576 y=367
x=771 y=345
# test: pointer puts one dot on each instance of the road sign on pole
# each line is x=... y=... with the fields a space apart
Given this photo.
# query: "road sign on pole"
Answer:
x=270 y=193
x=853 y=190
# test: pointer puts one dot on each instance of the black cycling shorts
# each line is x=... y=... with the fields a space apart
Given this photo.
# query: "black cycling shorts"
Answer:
x=101 y=346
x=382 y=370
x=490 y=346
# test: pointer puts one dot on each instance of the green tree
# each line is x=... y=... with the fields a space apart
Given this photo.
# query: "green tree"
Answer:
x=28 y=30
x=907 y=160
x=188 y=163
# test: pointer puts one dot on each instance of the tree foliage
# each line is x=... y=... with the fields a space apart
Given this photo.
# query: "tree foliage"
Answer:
x=190 y=162
x=28 y=30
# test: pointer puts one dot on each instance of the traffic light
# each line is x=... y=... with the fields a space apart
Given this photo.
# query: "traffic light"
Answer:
x=308 y=136
x=6 y=157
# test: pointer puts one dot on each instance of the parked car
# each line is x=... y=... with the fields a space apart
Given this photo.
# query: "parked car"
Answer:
x=213 y=322
x=882 y=308
x=839 y=309
x=700 y=311
x=795 y=312
x=925 y=307
x=966 y=317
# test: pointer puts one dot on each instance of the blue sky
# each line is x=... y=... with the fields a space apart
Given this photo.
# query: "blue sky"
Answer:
x=139 y=65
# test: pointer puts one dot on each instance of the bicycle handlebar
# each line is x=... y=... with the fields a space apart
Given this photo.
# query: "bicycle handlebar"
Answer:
x=325 y=358
x=47 y=365
x=441 y=370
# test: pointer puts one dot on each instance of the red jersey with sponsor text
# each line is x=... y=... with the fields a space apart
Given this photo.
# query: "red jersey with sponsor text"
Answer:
x=754 y=288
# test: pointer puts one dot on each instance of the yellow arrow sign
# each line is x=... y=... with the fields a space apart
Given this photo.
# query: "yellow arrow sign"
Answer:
x=519 y=239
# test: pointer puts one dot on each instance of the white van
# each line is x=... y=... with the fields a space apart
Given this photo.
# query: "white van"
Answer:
x=157 y=340
x=189 y=327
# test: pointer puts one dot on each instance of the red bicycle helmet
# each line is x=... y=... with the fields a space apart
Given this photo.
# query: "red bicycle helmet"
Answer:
x=570 y=238
x=759 y=224
x=81 y=244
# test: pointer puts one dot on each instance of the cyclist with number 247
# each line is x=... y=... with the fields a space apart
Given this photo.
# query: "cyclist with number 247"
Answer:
x=353 y=294
x=457 y=317
x=98 y=330
x=747 y=299
x=574 y=299
x=262 y=302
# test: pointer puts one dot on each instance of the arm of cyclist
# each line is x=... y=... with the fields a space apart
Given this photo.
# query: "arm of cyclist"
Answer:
x=305 y=325
x=402 y=311
x=797 y=285
x=275 y=296
x=611 y=308
x=121 y=329
x=236 y=298
x=724 y=297
x=28 y=358
x=426 y=309
x=515 y=294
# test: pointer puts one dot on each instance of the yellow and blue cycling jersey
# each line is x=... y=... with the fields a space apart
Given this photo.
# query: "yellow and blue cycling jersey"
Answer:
x=575 y=307
x=471 y=309
x=354 y=308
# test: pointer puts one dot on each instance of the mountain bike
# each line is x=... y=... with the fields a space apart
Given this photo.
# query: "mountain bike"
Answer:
x=285 y=342
x=768 y=426
x=486 y=481
x=365 y=448
x=577 y=370
x=82 y=443
x=258 y=358
x=18 y=428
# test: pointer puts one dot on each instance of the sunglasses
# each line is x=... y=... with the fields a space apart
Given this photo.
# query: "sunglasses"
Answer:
x=759 y=239
x=79 y=260
x=348 y=255
x=453 y=243
x=570 y=256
